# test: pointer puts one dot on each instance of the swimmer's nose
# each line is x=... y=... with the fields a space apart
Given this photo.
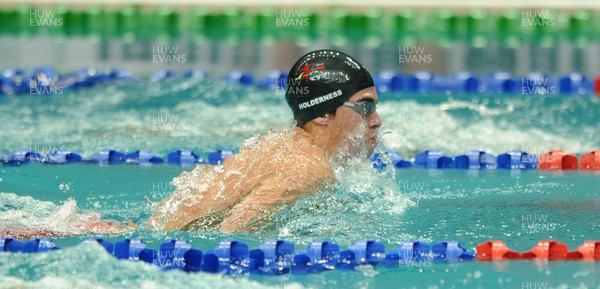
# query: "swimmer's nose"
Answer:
x=374 y=120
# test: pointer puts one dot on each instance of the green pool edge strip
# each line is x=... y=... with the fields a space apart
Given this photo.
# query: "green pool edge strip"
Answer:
x=166 y=17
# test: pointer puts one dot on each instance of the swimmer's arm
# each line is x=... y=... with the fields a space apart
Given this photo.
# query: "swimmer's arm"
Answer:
x=249 y=209
x=171 y=212
x=182 y=207
x=102 y=227
x=277 y=190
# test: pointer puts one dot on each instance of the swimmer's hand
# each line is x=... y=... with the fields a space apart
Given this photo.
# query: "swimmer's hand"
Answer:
x=107 y=227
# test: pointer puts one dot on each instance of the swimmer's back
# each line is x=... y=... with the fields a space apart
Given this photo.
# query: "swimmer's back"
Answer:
x=280 y=167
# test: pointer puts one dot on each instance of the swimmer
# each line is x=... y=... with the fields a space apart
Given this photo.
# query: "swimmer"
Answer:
x=333 y=100
x=64 y=220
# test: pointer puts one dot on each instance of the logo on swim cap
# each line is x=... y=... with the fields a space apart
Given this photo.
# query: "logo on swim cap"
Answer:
x=309 y=70
x=321 y=81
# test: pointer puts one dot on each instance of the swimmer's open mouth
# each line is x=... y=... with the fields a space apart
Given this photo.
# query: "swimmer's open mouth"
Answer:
x=377 y=136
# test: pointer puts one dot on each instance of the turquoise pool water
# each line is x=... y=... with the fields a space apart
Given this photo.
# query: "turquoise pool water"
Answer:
x=520 y=207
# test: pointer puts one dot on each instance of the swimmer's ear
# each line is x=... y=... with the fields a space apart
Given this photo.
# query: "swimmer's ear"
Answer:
x=322 y=120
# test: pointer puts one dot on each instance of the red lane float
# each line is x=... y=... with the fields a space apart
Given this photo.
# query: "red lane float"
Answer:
x=557 y=160
x=598 y=86
x=590 y=161
x=589 y=251
x=547 y=250
x=495 y=250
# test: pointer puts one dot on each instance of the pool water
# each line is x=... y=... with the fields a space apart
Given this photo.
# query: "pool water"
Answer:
x=520 y=207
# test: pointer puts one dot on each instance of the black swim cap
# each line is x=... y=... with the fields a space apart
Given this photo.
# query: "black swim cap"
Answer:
x=321 y=81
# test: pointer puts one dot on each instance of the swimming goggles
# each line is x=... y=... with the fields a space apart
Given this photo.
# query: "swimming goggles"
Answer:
x=363 y=109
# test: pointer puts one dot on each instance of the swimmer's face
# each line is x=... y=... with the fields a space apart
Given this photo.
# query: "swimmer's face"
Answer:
x=350 y=127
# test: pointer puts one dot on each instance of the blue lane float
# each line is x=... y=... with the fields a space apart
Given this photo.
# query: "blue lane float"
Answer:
x=275 y=80
x=460 y=82
x=389 y=81
x=240 y=77
x=231 y=257
x=433 y=159
x=20 y=157
x=475 y=160
x=39 y=245
x=11 y=245
x=275 y=257
x=183 y=157
x=108 y=246
x=46 y=80
x=163 y=74
x=319 y=256
x=410 y=252
x=120 y=74
x=466 y=82
x=129 y=249
x=219 y=156
x=576 y=83
x=143 y=157
x=538 y=84
x=364 y=252
x=429 y=159
x=193 y=260
x=15 y=81
x=62 y=157
x=195 y=73
x=171 y=255
x=499 y=82
x=420 y=82
x=395 y=158
x=84 y=77
x=383 y=81
x=451 y=251
x=109 y=157
x=517 y=160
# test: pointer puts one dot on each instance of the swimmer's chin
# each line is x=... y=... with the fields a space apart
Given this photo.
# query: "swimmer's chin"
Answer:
x=371 y=145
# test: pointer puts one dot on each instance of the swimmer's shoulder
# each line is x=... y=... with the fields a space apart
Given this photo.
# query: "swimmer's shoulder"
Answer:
x=307 y=159
x=287 y=152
